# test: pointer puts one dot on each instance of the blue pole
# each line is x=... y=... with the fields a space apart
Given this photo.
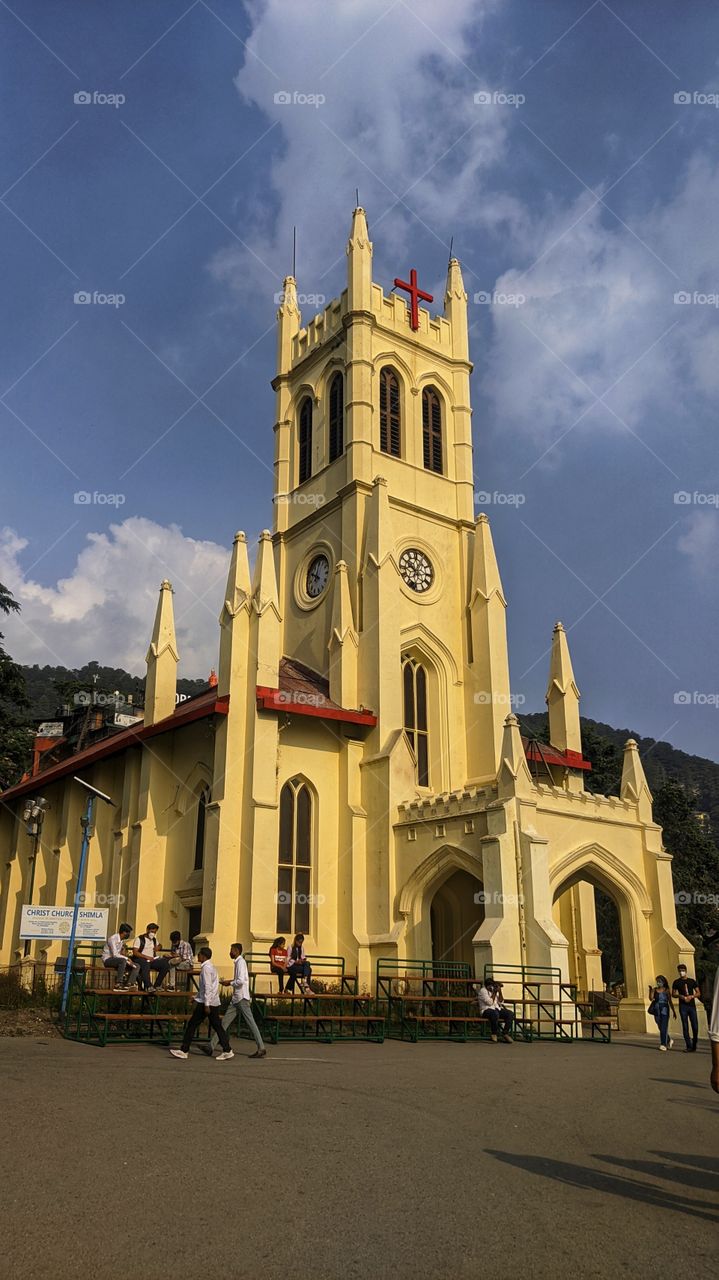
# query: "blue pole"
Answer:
x=86 y=823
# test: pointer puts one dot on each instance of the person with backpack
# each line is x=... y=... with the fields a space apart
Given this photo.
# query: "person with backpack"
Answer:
x=661 y=1005
x=144 y=953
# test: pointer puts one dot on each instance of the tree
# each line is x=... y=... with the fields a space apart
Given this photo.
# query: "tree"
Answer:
x=15 y=733
x=695 y=870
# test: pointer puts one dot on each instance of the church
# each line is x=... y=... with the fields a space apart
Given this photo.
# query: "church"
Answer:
x=357 y=773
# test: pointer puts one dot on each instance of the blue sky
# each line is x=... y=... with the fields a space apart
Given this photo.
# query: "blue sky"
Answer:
x=577 y=183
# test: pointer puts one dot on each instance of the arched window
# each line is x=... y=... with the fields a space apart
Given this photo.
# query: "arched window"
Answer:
x=414 y=690
x=337 y=413
x=389 y=412
x=305 y=439
x=295 y=859
x=200 y=830
x=432 y=430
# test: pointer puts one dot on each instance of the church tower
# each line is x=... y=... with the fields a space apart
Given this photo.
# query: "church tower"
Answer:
x=374 y=520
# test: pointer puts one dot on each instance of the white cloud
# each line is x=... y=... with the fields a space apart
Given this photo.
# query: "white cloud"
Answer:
x=597 y=301
x=105 y=608
x=700 y=543
x=398 y=82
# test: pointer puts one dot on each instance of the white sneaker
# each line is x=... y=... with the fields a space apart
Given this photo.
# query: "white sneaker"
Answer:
x=662 y=1048
x=671 y=1043
x=224 y=1057
x=179 y=1053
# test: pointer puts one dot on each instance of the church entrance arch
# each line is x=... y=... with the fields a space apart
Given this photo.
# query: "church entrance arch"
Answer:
x=575 y=901
x=456 y=912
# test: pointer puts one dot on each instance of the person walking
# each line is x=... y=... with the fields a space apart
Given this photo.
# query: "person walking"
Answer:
x=661 y=1005
x=240 y=1005
x=207 y=1005
x=687 y=991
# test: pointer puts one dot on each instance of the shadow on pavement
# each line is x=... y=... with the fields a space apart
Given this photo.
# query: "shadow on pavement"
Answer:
x=701 y=1162
x=701 y=1179
x=576 y=1175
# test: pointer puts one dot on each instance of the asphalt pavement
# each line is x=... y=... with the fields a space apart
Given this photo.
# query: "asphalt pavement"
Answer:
x=336 y=1162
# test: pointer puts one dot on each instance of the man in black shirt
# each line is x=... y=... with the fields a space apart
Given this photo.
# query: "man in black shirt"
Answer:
x=687 y=992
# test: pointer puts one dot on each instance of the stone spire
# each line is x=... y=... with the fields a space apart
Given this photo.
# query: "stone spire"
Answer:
x=162 y=659
x=359 y=264
x=267 y=612
x=634 y=787
x=455 y=310
x=235 y=615
x=490 y=660
x=343 y=642
x=563 y=696
x=288 y=324
x=514 y=776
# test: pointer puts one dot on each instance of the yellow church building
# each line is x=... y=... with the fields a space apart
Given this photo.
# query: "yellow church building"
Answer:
x=358 y=774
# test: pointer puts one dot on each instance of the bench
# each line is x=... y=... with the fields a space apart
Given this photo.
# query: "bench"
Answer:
x=602 y=1026
x=324 y=1027
x=167 y=1021
x=456 y=1027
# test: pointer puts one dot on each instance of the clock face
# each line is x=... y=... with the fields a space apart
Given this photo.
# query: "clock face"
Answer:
x=318 y=574
x=416 y=569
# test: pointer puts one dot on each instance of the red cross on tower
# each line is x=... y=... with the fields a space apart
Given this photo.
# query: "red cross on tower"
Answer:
x=414 y=294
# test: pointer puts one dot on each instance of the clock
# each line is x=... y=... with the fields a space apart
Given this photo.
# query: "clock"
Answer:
x=318 y=573
x=416 y=569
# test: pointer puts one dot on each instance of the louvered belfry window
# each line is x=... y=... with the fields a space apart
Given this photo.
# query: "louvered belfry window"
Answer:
x=305 y=439
x=389 y=413
x=432 y=430
x=336 y=416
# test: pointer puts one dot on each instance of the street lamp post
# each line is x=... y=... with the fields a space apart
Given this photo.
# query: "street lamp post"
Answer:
x=86 y=824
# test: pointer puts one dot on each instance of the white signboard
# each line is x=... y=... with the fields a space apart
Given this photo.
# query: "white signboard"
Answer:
x=50 y=729
x=56 y=922
x=124 y=720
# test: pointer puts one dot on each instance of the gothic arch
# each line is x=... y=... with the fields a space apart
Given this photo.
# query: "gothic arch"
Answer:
x=596 y=864
x=611 y=874
x=430 y=875
x=420 y=643
x=435 y=379
x=198 y=779
x=407 y=380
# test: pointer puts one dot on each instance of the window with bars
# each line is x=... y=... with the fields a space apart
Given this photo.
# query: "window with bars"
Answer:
x=414 y=689
x=295 y=859
x=389 y=413
x=305 y=439
x=432 y=430
x=336 y=416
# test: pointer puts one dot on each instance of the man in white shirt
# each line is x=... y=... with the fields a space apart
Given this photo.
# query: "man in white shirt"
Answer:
x=714 y=1035
x=207 y=1005
x=113 y=957
x=240 y=1005
x=182 y=959
x=144 y=953
x=492 y=1007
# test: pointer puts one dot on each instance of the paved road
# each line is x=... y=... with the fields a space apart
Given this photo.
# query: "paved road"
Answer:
x=356 y=1161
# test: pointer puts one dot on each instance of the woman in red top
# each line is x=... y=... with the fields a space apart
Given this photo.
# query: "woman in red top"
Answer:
x=278 y=960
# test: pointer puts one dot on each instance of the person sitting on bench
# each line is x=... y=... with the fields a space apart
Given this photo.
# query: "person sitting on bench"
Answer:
x=144 y=953
x=278 y=961
x=182 y=958
x=492 y=1007
x=298 y=966
x=114 y=957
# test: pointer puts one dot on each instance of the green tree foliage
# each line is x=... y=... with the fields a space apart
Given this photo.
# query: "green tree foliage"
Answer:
x=695 y=869
x=15 y=735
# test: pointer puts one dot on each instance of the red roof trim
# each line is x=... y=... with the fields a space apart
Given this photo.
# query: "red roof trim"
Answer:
x=207 y=704
x=542 y=752
x=269 y=699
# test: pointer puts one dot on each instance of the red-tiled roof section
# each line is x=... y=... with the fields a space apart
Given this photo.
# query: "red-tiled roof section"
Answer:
x=543 y=753
x=305 y=692
x=205 y=704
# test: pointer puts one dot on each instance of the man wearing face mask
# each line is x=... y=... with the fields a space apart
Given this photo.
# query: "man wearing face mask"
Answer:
x=144 y=953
